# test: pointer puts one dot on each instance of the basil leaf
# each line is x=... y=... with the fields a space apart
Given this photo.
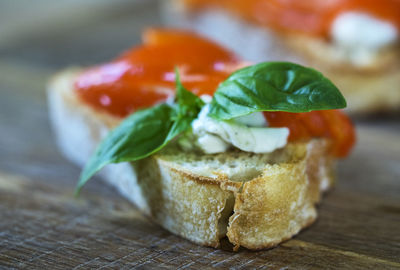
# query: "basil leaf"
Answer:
x=188 y=105
x=140 y=135
x=274 y=86
x=144 y=133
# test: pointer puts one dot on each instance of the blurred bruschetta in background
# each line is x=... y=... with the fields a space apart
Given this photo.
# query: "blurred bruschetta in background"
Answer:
x=355 y=43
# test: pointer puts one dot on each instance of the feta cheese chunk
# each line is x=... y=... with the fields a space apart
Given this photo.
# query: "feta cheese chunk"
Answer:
x=249 y=133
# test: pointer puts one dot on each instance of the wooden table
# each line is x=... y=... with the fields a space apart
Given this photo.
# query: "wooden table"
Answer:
x=43 y=226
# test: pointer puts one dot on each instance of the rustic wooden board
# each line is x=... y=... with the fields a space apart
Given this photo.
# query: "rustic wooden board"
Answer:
x=43 y=226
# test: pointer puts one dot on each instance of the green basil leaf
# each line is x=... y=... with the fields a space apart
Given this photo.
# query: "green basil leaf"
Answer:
x=274 y=86
x=140 y=135
x=144 y=132
x=189 y=105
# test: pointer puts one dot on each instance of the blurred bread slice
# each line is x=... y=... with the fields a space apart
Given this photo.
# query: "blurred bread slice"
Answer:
x=368 y=87
x=256 y=200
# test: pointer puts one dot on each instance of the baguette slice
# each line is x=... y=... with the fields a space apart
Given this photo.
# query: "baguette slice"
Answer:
x=201 y=197
x=368 y=87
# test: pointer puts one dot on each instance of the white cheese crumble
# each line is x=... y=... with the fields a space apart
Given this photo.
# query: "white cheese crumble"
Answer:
x=362 y=36
x=249 y=133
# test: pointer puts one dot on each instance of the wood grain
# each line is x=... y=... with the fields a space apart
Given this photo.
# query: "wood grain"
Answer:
x=43 y=226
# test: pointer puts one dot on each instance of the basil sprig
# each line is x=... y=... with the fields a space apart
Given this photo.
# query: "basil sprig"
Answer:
x=144 y=132
x=270 y=86
x=274 y=86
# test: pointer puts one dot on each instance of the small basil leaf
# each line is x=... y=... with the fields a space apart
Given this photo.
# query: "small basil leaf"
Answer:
x=189 y=105
x=274 y=86
x=140 y=135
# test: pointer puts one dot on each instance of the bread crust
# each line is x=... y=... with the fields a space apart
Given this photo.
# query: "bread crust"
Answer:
x=259 y=213
x=368 y=88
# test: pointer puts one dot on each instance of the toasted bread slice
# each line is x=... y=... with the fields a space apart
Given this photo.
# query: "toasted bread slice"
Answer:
x=256 y=200
x=368 y=88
